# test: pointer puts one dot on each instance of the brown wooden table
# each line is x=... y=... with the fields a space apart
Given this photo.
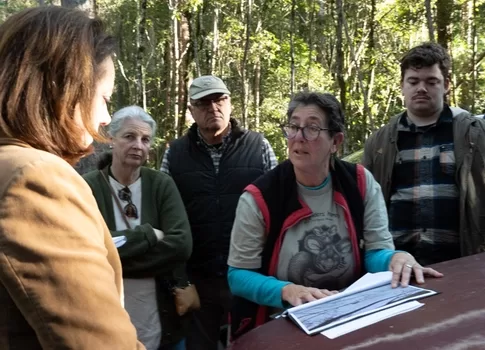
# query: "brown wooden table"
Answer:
x=452 y=320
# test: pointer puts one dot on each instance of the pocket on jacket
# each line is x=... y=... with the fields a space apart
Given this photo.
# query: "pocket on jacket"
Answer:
x=447 y=159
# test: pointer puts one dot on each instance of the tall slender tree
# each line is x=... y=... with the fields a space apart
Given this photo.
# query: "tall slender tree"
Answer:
x=141 y=32
x=444 y=9
x=429 y=19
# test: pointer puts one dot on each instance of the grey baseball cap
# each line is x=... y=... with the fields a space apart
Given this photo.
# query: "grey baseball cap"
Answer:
x=207 y=85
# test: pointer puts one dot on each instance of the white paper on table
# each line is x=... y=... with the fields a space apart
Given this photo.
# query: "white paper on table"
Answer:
x=366 y=281
x=362 y=322
x=371 y=279
x=119 y=241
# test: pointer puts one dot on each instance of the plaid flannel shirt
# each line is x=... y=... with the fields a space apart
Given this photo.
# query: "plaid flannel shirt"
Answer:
x=423 y=209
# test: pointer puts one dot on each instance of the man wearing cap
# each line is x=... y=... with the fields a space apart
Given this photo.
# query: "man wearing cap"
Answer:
x=211 y=165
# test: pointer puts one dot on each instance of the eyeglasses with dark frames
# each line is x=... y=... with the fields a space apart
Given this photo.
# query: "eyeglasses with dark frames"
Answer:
x=130 y=209
x=204 y=104
x=309 y=132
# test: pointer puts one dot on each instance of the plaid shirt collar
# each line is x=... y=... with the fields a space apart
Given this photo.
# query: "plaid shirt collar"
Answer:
x=406 y=124
x=225 y=140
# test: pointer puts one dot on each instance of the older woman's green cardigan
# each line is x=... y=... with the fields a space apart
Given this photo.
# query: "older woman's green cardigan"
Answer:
x=143 y=255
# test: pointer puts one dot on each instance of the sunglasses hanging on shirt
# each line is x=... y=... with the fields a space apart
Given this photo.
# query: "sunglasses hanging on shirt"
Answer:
x=130 y=209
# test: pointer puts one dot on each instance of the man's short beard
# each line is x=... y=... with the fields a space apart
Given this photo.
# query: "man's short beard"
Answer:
x=215 y=129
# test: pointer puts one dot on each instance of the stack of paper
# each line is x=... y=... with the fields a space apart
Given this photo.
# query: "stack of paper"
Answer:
x=369 y=300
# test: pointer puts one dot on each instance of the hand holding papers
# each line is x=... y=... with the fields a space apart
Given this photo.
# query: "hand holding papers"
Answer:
x=367 y=296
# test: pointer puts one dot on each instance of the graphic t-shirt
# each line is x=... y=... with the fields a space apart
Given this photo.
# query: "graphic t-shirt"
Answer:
x=317 y=252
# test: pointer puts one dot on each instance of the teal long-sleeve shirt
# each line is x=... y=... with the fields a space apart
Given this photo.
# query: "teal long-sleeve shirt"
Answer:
x=266 y=290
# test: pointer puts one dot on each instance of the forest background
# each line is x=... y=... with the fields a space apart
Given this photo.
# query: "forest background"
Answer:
x=267 y=50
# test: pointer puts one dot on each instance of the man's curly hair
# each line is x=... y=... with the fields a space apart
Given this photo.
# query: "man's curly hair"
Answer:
x=426 y=55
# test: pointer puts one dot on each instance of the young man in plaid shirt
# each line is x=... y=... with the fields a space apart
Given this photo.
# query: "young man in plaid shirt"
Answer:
x=429 y=161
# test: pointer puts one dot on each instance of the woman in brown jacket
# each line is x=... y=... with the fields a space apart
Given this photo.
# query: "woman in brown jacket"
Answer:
x=60 y=273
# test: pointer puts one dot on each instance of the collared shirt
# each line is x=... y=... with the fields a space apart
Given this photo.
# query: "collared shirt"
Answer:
x=216 y=152
x=423 y=210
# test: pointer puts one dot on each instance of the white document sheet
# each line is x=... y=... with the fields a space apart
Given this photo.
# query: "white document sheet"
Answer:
x=371 y=279
x=362 y=322
x=119 y=241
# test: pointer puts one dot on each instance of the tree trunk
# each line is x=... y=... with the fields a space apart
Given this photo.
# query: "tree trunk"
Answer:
x=140 y=53
x=371 y=45
x=454 y=81
x=339 y=62
x=205 y=51
x=184 y=72
x=339 y=58
x=310 y=43
x=443 y=20
x=429 y=18
x=168 y=86
x=474 y=54
x=371 y=59
x=215 y=40
x=245 y=82
x=292 y=48
x=194 y=40
x=175 y=65
x=257 y=93
x=257 y=81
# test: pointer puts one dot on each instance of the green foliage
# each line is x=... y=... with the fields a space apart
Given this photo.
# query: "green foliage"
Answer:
x=273 y=114
x=355 y=157
x=11 y=6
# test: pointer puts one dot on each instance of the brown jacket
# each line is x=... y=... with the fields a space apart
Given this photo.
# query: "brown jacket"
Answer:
x=60 y=273
x=469 y=144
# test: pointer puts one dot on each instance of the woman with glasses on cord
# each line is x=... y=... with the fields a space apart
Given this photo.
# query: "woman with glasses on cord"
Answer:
x=143 y=209
x=312 y=225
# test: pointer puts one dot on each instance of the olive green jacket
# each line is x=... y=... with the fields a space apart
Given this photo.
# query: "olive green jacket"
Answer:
x=469 y=145
x=143 y=255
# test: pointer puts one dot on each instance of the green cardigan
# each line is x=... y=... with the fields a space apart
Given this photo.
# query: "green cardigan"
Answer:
x=142 y=255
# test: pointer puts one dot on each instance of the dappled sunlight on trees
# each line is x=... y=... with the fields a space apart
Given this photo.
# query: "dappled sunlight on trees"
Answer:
x=263 y=49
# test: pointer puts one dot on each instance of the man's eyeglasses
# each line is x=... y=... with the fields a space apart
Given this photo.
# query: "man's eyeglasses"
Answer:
x=309 y=132
x=204 y=104
x=130 y=209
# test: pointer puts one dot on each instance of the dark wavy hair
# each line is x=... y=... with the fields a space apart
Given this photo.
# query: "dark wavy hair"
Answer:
x=327 y=102
x=426 y=55
x=50 y=62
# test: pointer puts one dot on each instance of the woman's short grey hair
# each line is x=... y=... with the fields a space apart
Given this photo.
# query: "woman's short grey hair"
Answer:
x=130 y=112
x=326 y=102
